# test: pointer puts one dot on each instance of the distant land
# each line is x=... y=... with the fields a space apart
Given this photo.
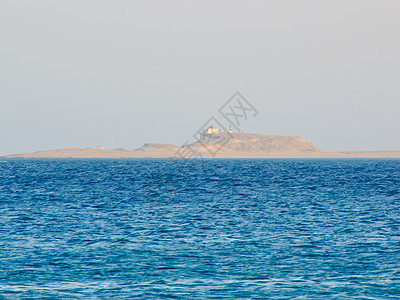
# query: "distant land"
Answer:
x=215 y=144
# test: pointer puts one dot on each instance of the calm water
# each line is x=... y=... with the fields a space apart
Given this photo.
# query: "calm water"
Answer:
x=154 y=229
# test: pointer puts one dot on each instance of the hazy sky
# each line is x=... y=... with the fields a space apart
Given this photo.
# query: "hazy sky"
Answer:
x=122 y=73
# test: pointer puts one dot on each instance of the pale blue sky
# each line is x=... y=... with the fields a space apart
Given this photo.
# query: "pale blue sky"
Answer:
x=122 y=73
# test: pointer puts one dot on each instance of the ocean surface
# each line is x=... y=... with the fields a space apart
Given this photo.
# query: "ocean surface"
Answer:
x=165 y=229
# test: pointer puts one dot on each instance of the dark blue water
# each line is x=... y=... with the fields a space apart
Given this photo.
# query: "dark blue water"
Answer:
x=155 y=229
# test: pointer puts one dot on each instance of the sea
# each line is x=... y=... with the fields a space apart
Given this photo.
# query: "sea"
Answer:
x=200 y=229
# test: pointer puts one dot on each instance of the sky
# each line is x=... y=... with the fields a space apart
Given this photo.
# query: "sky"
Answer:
x=124 y=73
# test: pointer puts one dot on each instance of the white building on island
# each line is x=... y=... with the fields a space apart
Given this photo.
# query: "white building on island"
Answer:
x=213 y=134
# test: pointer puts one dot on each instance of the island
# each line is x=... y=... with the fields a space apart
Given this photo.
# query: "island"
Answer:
x=212 y=143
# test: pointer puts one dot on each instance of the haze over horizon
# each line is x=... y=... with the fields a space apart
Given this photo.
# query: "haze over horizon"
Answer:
x=125 y=73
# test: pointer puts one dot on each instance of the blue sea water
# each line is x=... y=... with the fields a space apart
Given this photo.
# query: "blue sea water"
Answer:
x=163 y=229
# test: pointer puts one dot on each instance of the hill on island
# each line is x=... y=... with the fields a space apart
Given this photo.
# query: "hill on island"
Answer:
x=247 y=142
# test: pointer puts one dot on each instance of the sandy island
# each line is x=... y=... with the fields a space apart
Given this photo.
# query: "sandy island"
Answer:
x=219 y=145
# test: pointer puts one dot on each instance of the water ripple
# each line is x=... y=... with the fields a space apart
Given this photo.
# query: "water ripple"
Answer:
x=266 y=229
